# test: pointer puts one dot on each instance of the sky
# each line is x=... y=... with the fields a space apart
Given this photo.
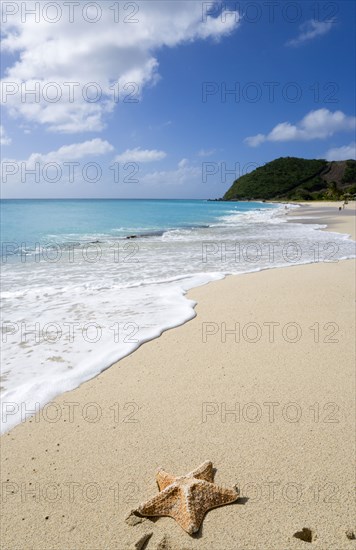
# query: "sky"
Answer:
x=170 y=99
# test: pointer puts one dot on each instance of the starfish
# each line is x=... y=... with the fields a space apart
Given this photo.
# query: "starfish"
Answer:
x=187 y=498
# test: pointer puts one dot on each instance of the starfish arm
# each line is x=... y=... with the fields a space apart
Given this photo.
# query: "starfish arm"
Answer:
x=162 y=504
x=204 y=471
x=203 y=496
x=186 y=516
x=214 y=495
x=163 y=479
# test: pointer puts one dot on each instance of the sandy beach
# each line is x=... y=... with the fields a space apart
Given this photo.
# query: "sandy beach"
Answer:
x=261 y=382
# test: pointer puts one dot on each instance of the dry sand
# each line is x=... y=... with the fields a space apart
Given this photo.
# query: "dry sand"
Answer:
x=289 y=445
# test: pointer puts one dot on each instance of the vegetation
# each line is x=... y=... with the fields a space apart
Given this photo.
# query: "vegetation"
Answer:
x=350 y=172
x=291 y=178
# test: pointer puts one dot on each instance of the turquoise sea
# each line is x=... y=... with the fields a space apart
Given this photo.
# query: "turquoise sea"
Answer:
x=59 y=221
x=85 y=282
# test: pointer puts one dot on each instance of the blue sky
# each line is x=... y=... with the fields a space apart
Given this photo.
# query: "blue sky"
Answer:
x=290 y=63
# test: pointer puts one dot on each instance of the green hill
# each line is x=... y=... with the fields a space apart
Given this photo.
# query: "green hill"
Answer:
x=291 y=178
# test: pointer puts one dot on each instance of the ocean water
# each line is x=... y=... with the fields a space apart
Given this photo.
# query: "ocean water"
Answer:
x=85 y=282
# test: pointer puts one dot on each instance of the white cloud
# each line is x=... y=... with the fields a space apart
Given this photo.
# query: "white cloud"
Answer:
x=67 y=153
x=110 y=54
x=4 y=138
x=73 y=152
x=309 y=30
x=254 y=141
x=62 y=165
x=318 y=124
x=342 y=153
x=184 y=173
x=140 y=155
x=206 y=152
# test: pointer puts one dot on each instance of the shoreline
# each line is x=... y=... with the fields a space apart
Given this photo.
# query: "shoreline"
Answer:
x=55 y=384
x=329 y=213
x=298 y=215
x=161 y=390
